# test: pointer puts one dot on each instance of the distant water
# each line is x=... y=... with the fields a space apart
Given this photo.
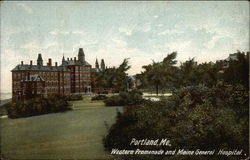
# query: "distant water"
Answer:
x=4 y=96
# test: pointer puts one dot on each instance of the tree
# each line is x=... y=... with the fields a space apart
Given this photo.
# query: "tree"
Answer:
x=161 y=74
x=154 y=75
x=208 y=74
x=114 y=77
x=188 y=73
x=193 y=118
x=238 y=70
x=191 y=73
x=141 y=80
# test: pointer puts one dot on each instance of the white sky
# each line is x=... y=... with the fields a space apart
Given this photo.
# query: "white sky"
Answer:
x=141 y=31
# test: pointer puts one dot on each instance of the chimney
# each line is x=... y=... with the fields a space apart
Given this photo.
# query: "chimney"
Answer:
x=22 y=63
x=31 y=63
x=56 y=64
x=74 y=58
x=50 y=62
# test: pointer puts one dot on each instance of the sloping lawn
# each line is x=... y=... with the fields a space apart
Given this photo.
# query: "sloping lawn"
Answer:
x=73 y=134
x=86 y=102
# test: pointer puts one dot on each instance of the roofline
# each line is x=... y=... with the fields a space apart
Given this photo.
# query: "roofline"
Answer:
x=39 y=70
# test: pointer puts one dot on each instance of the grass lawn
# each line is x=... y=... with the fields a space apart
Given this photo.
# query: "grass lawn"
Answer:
x=86 y=103
x=75 y=134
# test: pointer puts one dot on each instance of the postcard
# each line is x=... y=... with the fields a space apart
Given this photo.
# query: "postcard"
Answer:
x=124 y=80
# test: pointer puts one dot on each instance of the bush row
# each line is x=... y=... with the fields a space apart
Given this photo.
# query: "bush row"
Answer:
x=193 y=118
x=99 y=97
x=37 y=107
x=133 y=97
x=73 y=97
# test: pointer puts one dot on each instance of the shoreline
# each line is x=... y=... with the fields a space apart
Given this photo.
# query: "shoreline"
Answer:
x=4 y=101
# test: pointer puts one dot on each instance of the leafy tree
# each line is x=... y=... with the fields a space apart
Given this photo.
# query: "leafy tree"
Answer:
x=154 y=75
x=191 y=73
x=207 y=74
x=115 y=77
x=193 y=118
x=141 y=80
x=238 y=70
x=161 y=74
x=188 y=73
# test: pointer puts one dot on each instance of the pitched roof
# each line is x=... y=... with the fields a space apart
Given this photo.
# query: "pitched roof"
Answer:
x=63 y=68
x=34 y=77
x=39 y=68
x=76 y=62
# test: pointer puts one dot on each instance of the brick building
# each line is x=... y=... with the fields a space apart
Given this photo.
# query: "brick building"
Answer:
x=73 y=76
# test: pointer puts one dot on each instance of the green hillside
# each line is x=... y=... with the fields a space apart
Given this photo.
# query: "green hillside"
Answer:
x=74 y=134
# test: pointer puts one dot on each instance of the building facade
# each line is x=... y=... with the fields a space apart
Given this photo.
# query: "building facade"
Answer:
x=73 y=76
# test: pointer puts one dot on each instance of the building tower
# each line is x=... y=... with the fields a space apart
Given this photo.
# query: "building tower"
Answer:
x=102 y=65
x=96 y=64
x=39 y=60
x=81 y=56
x=63 y=61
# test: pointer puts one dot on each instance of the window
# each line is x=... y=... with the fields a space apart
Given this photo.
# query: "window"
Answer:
x=18 y=75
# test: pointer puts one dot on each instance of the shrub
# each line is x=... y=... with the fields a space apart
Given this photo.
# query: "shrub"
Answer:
x=99 y=97
x=74 y=97
x=193 y=118
x=114 y=101
x=37 y=107
x=3 y=110
x=133 y=97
